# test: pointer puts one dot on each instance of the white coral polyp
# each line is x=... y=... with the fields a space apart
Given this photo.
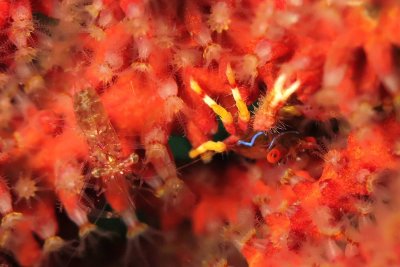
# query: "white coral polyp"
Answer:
x=220 y=17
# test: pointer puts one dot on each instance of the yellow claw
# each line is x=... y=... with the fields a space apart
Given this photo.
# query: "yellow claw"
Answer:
x=207 y=156
x=244 y=114
x=230 y=75
x=281 y=94
x=195 y=86
x=218 y=147
x=226 y=116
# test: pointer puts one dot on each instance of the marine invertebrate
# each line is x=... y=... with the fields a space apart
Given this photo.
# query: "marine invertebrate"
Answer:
x=292 y=107
x=265 y=117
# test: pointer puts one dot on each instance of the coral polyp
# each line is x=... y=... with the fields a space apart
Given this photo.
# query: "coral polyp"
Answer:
x=199 y=133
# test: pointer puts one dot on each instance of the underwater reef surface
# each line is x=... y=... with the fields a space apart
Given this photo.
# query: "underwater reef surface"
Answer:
x=205 y=133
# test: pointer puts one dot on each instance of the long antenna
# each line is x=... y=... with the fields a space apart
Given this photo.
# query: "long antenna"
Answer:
x=253 y=139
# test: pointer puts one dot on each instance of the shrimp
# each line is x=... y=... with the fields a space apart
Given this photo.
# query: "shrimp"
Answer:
x=106 y=155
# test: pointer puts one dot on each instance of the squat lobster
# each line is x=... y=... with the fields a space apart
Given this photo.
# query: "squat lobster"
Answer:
x=264 y=118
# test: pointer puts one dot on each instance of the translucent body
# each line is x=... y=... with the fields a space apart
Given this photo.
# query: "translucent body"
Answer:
x=105 y=147
x=105 y=152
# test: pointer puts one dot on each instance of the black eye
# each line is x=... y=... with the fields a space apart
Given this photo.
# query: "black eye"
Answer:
x=334 y=125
